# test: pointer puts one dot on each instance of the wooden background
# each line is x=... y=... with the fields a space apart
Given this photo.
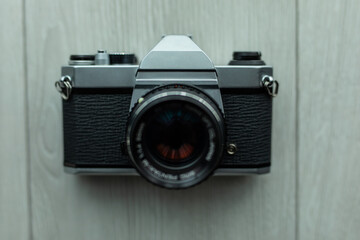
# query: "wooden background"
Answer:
x=313 y=190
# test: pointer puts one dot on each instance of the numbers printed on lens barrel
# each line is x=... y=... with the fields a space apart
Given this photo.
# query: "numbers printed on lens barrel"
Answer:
x=175 y=119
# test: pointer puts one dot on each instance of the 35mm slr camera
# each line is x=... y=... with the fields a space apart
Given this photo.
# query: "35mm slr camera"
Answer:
x=175 y=119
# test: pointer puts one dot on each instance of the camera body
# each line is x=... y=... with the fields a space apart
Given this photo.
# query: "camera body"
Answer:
x=224 y=110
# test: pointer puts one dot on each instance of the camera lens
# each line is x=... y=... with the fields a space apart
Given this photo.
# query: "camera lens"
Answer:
x=175 y=136
x=175 y=133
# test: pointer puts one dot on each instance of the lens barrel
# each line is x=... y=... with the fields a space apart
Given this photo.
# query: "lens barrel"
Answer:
x=175 y=136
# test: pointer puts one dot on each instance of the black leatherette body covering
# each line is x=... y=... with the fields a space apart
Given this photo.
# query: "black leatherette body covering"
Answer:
x=94 y=129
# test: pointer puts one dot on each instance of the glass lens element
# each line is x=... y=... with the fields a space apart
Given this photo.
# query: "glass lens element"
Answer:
x=175 y=133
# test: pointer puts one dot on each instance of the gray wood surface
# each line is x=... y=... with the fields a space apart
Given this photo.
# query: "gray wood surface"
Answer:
x=14 y=219
x=316 y=121
x=70 y=207
x=328 y=117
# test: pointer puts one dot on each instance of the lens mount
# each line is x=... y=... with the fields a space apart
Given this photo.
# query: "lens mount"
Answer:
x=175 y=136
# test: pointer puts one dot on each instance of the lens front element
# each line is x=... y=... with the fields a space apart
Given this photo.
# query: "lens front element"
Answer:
x=175 y=136
x=175 y=133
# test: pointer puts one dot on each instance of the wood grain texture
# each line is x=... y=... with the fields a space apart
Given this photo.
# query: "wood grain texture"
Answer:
x=329 y=113
x=71 y=207
x=13 y=157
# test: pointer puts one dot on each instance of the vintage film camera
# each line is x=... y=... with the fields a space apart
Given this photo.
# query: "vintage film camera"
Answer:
x=175 y=118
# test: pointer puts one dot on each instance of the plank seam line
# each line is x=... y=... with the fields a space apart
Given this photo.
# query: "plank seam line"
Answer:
x=27 y=123
x=297 y=140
